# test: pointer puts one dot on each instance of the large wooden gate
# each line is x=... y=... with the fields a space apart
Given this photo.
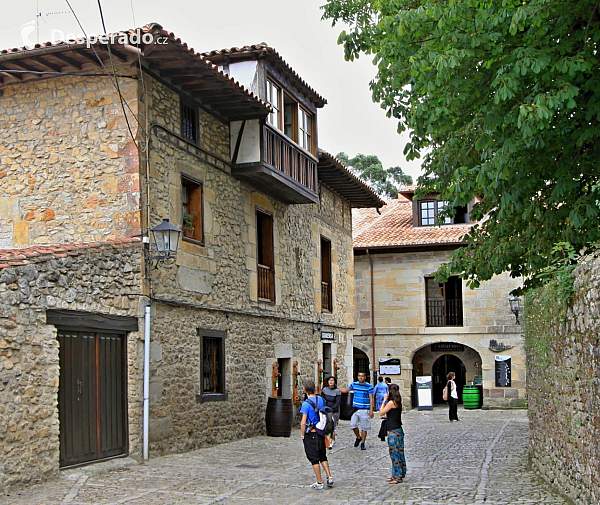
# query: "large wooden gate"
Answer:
x=92 y=396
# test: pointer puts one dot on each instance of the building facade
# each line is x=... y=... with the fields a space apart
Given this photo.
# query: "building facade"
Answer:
x=426 y=327
x=264 y=268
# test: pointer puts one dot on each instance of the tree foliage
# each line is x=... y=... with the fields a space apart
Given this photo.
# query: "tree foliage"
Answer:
x=369 y=168
x=504 y=95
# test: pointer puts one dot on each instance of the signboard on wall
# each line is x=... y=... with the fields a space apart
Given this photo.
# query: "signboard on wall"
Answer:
x=327 y=335
x=503 y=367
x=389 y=366
x=424 y=393
x=447 y=347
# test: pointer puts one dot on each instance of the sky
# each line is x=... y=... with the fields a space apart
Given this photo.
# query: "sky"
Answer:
x=350 y=122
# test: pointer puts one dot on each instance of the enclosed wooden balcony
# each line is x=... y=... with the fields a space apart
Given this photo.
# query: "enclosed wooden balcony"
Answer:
x=276 y=166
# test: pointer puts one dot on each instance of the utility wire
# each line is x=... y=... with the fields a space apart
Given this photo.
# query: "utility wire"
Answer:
x=112 y=64
x=103 y=66
x=38 y=72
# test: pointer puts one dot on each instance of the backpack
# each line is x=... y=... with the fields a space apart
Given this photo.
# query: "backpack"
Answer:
x=445 y=393
x=326 y=424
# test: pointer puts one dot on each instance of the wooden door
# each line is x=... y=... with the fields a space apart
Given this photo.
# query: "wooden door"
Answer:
x=91 y=396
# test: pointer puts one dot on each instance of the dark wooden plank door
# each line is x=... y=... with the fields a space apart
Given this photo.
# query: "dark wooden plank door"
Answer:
x=91 y=396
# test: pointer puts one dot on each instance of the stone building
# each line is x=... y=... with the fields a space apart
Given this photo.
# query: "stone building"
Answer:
x=89 y=163
x=426 y=327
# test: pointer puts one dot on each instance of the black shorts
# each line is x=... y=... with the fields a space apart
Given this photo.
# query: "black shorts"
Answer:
x=314 y=447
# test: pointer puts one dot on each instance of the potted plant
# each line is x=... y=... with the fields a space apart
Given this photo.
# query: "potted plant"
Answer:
x=188 y=223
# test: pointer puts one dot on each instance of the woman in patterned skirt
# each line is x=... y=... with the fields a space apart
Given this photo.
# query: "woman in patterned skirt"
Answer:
x=393 y=410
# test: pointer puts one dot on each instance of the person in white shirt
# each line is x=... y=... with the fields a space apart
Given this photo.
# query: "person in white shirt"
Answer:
x=452 y=397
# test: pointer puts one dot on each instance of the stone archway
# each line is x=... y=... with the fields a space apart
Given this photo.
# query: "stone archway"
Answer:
x=360 y=360
x=439 y=358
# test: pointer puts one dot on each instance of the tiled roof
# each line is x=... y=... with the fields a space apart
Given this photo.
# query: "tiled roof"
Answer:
x=394 y=228
x=263 y=49
x=333 y=173
x=79 y=49
x=35 y=254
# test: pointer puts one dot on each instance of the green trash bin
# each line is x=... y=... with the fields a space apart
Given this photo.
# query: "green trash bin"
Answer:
x=471 y=397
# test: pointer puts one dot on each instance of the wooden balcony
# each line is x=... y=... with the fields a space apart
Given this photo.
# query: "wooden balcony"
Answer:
x=444 y=312
x=285 y=171
x=266 y=285
x=326 y=304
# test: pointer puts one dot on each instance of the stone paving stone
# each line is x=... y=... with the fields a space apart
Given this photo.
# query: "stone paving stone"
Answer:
x=481 y=460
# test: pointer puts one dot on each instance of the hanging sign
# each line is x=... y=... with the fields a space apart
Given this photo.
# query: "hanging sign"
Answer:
x=424 y=393
x=389 y=366
x=327 y=335
x=447 y=347
x=502 y=371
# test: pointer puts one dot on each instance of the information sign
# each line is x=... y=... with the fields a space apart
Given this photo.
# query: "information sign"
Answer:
x=390 y=366
x=503 y=371
x=424 y=393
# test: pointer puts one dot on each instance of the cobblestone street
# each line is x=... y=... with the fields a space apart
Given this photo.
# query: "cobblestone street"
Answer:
x=480 y=460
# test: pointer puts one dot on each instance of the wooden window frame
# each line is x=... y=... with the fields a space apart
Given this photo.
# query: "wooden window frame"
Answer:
x=303 y=113
x=188 y=107
x=457 y=317
x=438 y=205
x=278 y=106
x=198 y=207
x=326 y=276
x=221 y=336
x=268 y=256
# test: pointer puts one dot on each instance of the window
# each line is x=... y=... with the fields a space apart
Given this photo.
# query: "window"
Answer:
x=305 y=130
x=212 y=365
x=191 y=209
x=289 y=117
x=430 y=209
x=444 y=302
x=266 y=257
x=189 y=122
x=274 y=100
x=326 y=287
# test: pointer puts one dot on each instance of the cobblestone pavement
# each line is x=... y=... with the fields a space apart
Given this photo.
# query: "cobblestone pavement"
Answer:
x=480 y=460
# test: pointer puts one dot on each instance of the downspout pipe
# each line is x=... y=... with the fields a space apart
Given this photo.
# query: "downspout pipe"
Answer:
x=373 y=331
x=146 y=417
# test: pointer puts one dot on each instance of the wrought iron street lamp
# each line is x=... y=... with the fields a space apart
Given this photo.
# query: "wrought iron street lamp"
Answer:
x=515 y=307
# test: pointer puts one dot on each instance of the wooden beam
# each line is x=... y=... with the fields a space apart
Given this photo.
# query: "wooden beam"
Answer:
x=52 y=67
x=24 y=66
x=163 y=54
x=182 y=72
x=16 y=76
x=115 y=53
x=90 y=59
x=68 y=61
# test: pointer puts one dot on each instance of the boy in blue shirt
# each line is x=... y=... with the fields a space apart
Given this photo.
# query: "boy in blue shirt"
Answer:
x=363 y=403
x=314 y=444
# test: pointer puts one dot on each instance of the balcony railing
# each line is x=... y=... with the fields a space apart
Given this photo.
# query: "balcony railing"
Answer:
x=266 y=289
x=283 y=155
x=444 y=312
x=326 y=296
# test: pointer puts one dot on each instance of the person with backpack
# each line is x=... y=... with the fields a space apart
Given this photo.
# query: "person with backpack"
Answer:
x=450 y=395
x=333 y=399
x=395 y=434
x=314 y=442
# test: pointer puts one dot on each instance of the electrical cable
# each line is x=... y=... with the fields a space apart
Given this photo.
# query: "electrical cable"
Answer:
x=39 y=72
x=101 y=63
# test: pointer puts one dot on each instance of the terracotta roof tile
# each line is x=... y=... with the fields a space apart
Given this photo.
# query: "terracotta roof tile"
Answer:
x=263 y=48
x=35 y=254
x=394 y=227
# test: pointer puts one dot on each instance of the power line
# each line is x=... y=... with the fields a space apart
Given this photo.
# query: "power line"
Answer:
x=38 y=72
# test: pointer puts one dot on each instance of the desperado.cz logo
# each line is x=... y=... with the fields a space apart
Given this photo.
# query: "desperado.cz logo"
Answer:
x=137 y=37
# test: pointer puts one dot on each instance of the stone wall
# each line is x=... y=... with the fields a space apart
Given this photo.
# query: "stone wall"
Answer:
x=99 y=282
x=564 y=387
x=402 y=331
x=58 y=136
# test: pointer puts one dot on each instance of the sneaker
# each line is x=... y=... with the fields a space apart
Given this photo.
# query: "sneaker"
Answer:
x=357 y=442
x=329 y=481
x=317 y=485
x=331 y=444
x=362 y=447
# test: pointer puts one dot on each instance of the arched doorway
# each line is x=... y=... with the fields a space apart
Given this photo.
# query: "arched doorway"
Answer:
x=439 y=358
x=443 y=365
x=361 y=363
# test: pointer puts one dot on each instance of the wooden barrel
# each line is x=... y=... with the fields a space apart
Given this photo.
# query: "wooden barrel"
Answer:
x=471 y=397
x=346 y=408
x=279 y=417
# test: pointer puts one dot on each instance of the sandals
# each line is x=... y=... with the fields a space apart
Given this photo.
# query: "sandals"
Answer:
x=394 y=480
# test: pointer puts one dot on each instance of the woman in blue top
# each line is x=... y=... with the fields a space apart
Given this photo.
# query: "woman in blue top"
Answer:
x=380 y=391
x=314 y=444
